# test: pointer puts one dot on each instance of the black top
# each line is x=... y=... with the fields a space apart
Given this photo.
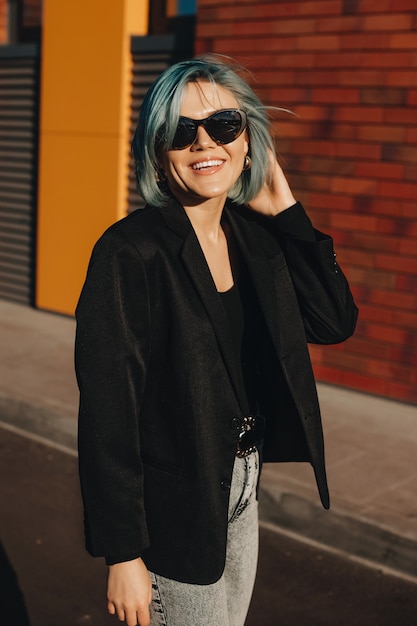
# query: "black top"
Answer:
x=244 y=315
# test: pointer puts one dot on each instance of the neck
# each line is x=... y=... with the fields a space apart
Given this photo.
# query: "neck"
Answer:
x=205 y=217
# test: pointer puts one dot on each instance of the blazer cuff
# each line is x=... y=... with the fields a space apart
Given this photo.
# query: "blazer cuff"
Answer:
x=112 y=560
x=294 y=222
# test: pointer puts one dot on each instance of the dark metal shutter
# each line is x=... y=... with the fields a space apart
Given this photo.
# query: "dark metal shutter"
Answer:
x=19 y=89
x=151 y=56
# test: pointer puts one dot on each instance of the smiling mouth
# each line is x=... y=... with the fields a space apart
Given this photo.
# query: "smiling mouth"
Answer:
x=202 y=165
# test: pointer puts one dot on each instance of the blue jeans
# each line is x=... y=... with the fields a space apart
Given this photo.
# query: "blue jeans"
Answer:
x=226 y=602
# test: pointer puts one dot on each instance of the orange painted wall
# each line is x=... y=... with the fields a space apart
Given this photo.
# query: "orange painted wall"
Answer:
x=348 y=68
x=84 y=136
x=3 y=22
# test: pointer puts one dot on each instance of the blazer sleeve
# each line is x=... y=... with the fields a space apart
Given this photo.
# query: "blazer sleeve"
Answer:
x=325 y=300
x=111 y=356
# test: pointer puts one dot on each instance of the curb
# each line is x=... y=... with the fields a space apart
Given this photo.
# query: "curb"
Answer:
x=350 y=535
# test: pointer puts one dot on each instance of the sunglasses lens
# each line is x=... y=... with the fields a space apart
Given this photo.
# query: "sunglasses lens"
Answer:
x=185 y=133
x=223 y=126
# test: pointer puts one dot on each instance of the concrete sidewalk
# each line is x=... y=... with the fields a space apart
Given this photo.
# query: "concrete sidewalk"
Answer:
x=371 y=446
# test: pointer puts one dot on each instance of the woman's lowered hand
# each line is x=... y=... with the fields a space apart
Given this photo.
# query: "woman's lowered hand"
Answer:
x=129 y=592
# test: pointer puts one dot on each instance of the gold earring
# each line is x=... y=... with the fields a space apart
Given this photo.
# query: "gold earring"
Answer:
x=247 y=163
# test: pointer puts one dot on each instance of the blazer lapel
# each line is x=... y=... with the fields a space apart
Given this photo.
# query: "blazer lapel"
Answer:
x=196 y=265
x=259 y=265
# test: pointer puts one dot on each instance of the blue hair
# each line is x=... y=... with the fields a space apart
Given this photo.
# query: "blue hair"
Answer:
x=158 y=119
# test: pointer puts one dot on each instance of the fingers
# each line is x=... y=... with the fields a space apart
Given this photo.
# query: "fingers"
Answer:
x=131 y=616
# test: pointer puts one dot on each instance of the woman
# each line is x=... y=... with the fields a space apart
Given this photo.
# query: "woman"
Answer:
x=191 y=353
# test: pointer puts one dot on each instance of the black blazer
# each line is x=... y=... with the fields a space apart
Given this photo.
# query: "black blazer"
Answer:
x=158 y=390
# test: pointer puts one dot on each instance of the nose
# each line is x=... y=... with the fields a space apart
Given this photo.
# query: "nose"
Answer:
x=202 y=140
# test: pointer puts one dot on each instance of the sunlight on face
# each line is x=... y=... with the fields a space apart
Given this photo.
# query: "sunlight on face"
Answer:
x=205 y=171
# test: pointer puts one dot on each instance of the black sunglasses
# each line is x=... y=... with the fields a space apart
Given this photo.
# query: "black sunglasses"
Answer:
x=223 y=127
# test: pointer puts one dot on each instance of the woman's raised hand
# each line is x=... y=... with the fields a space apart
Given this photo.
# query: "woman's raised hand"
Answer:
x=129 y=592
x=276 y=195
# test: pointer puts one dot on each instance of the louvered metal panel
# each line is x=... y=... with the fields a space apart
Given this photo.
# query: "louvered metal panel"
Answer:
x=151 y=56
x=19 y=92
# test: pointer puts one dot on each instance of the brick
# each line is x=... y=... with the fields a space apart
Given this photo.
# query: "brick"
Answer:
x=408 y=247
x=339 y=24
x=406 y=265
x=365 y=6
x=318 y=42
x=335 y=95
x=361 y=150
x=360 y=77
x=355 y=186
x=287 y=60
x=408 y=209
x=360 y=258
x=303 y=26
x=383 y=96
x=403 y=354
x=380 y=170
x=331 y=201
x=406 y=301
x=250 y=11
x=369 y=348
x=324 y=78
x=398 y=189
x=389 y=59
x=407 y=283
x=412 y=97
x=283 y=96
x=389 y=334
x=362 y=41
x=411 y=135
x=401 y=78
x=352 y=222
x=276 y=77
x=359 y=114
x=365 y=383
x=231 y=3
x=371 y=278
x=314 y=147
x=388 y=370
x=410 y=174
x=317 y=7
x=402 y=116
x=327 y=374
x=311 y=112
x=394 y=226
x=388 y=22
x=406 y=320
x=211 y=29
x=373 y=242
x=291 y=129
x=399 y=152
x=402 y=41
x=334 y=358
x=339 y=167
x=384 y=133
x=402 y=5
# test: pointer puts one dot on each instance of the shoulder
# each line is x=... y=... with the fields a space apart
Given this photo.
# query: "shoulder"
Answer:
x=141 y=232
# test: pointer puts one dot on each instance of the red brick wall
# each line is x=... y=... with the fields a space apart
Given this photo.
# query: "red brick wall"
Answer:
x=349 y=70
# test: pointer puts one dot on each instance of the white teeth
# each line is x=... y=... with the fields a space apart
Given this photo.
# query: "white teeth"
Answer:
x=211 y=163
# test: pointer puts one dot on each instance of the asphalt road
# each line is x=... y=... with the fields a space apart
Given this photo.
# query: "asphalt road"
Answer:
x=41 y=532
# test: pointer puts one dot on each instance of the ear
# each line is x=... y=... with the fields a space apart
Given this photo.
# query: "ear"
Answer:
x=246 y=143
